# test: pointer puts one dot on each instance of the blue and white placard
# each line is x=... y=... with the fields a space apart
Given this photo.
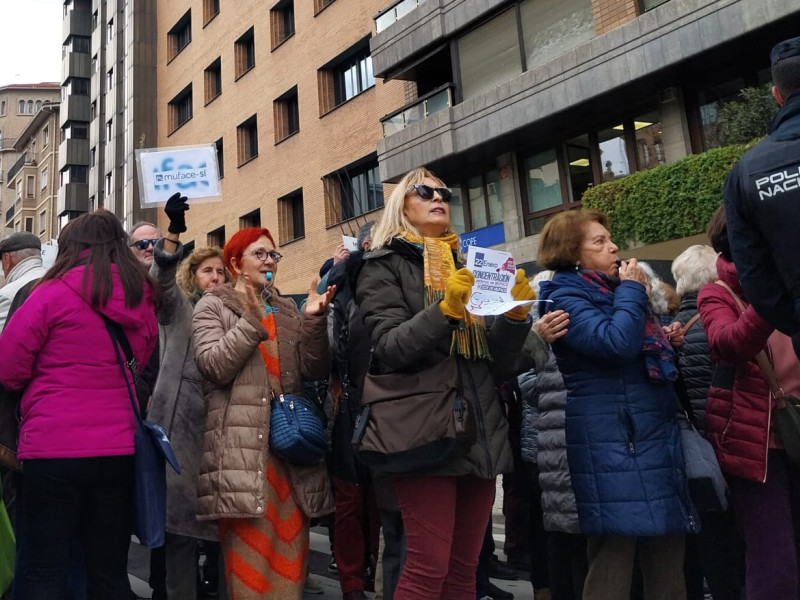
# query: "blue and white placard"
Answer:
x=190 y=170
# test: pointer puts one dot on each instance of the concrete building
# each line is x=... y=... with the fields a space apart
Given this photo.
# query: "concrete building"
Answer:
x=33 y=178
x=286 y=92
x=522 y=105
x=108 y=106
x=19 y=105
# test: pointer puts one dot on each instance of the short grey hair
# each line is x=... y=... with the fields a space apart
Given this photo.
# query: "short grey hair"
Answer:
x=364 y=234
x=659 y=302
x=20 y=255
x=693 y=268
x=140 y=224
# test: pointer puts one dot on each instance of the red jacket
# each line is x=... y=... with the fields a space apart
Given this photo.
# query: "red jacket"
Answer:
x=738 y=412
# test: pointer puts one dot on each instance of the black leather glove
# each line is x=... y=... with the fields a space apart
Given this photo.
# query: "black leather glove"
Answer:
x=176 y=208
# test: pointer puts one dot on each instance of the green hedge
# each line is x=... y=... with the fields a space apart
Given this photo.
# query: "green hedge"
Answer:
x=667 y=202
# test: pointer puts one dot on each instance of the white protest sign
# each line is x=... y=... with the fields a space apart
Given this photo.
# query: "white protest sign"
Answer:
x=190 y=170
x=350 y=243
x=49 y=253
x=495 y=275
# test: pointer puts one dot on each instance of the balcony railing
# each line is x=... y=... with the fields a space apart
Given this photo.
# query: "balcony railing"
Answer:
x=422 y=108
x=396 y=11
x=28 y=158
x=7 y=143
x=9 y=215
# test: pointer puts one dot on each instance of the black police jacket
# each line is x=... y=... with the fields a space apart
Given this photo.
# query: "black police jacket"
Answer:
x=762 y=203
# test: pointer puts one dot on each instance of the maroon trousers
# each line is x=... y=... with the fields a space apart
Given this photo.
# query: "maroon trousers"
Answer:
x=445 y=520
x=357 y=528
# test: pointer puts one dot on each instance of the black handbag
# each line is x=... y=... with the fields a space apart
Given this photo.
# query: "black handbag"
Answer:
x=152 y=451
x=414 y=422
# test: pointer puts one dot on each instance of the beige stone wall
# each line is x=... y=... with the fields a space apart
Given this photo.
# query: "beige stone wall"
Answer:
x=323 y=144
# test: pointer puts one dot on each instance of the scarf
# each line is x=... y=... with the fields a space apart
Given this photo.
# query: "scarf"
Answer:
x=469 y=339
x=659 y=357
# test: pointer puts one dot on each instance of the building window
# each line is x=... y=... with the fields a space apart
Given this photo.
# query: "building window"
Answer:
x=77 y=86
x=29 y=224
x=291 y=218
x=613 y=153
x=213 y=80
x=21 y=107
x=110 y=79
x=180 y=35
x=216 y=237
x=78 y=43
x=220 y=157
x=210 y=10
x=353 y=190
x=110 y=30
x=30 y=107
x=245 y=52
x=76 y=131
x=551 y=27
x=247 y=140
x=485 y=204
x=109 y=130
x=93 y=157
x=74 y=174
x=37 y=106
x=3 y=107
x=94 y=64
x=43 y=222
x=251 y=219
x=287 y=115
x=490 y=54
x=30 y=186
x=43 y=178
x=95 y=20
x=109 y=188
x=180 y=108
x=45 y=136
x=651 y=4
x=320 y=4
x=346 y=76
x=281 y=18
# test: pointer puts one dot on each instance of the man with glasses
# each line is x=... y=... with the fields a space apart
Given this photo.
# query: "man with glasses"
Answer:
x=144 y=236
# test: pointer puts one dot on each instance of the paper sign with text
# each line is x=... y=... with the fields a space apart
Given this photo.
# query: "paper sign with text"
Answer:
x=190 y=170
x=350 y=242
x=495 y=274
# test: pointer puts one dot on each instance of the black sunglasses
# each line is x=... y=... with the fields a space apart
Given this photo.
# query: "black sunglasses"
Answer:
x=144 y=244
x=426 y=192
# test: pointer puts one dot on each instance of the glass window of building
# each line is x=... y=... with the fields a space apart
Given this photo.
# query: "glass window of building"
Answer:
x=710 y=102
x=649 y=145
x=543 y=181
x=579 y=163
x=613 y=153
x=457 y=211
x=485 y=204
x=490 y=54
x=551 y=27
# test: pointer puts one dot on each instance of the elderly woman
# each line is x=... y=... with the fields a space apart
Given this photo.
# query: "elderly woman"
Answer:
x=623 y=443
x=413 y=296
x=740 y=424
x=252 y=344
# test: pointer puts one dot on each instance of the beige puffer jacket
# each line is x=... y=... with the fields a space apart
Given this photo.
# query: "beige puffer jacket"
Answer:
x=226 y=337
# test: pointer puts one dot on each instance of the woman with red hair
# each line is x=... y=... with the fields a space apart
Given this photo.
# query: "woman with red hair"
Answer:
x=262 y=504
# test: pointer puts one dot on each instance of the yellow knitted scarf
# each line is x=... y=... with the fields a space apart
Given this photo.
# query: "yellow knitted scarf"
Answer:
x=469 y=339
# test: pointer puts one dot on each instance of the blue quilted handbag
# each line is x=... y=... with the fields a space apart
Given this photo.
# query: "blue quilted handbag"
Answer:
x=297 y=430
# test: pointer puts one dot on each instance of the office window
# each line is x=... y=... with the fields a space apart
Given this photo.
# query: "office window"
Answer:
x=29 y=224
x=346 y=76
x=287 y=115
x=76 y=131
x=93 y=157
x=43 y=222
x=21 y=107
x=109 y=129
x=77 y=86
x=43 y=178
x=353 y=190
x=38 y=106
x=110 y=30
x=485 y=204
x=551 y=27
x=210 y=10
x=490 y=54
x=45 y=136
x=281 y=18
x=247 y=140
x=213 y=80
x=30 y=186
x=245 y=52
x=251 y=219
x=93 y=110
x=290 y=214
x=109 y=187
x=94 y=20
x=216 y=237
x=613 y=153
x=74 y=174
x=320 y=4
x=94 y=64
x=3 y=107
x=110 y=79
x=220 y=157
x=180 y=108
x=180 y=35
x=30 y=107
x=78 y=43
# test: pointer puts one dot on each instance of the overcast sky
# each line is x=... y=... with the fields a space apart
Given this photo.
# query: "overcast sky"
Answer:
x=30 y=41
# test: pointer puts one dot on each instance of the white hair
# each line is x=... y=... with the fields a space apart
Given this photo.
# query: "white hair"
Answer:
x=659 y=303
x=693 y=268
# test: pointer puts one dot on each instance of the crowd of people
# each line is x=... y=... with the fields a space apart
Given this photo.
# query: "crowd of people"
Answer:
x=574 y=395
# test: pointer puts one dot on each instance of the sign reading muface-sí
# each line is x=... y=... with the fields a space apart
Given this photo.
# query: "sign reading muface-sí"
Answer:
x=190 y=170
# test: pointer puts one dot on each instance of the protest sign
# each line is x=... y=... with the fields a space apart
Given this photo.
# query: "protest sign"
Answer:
x=495 y=275
x=190 y=170
x=350 y=243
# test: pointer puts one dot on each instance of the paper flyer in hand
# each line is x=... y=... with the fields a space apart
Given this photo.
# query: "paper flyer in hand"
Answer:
x=495 y=274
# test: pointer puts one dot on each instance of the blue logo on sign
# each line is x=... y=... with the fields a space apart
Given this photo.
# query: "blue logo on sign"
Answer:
x=183 y=177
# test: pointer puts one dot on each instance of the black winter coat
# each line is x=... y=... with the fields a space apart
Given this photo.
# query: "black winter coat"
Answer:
x=408 y=336
x=694 y=360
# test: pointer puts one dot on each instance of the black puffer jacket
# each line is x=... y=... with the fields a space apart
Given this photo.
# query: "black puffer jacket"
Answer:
x=408 y=336
x=694 y=360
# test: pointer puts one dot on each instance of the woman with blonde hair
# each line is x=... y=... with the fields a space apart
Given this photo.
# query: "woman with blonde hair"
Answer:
x=412 y=291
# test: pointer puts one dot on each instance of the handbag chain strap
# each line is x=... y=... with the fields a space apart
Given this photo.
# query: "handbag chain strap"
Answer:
x=762 y=358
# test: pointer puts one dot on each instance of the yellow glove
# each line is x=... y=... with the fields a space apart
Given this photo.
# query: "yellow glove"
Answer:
x=522 y=290
x=456 y=293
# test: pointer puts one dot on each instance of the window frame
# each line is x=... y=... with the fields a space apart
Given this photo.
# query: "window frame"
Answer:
x=212 y=78
x=180 y=35
x=286 y=111
x=181 y=109
x=282 y=22
x=210 y=10
x=288 y=217
x=244 y=50
x=247 y=140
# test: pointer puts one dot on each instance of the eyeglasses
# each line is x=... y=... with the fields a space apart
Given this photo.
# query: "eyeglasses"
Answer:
x=426 y=192
x=144 y=244
x=263 y=254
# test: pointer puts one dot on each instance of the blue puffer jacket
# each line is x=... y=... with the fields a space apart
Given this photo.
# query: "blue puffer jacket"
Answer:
x=623 y=443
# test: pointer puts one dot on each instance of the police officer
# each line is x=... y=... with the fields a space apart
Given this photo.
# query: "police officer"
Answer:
x=762 y=202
